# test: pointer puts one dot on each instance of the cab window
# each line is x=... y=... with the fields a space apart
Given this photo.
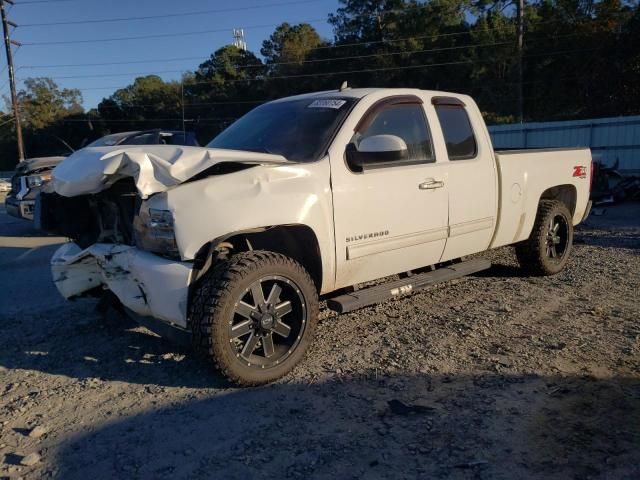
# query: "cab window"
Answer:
x=404 y=120
x=457 y=131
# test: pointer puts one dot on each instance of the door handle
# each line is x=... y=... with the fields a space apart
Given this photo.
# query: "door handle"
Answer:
x=431 y=184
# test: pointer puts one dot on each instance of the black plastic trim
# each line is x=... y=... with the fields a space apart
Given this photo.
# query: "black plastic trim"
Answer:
x=452 y=101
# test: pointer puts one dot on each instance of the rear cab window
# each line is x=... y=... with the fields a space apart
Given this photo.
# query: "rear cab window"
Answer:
x=456 y=128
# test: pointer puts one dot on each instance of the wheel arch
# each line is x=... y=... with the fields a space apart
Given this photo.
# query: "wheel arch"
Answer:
x=567 y=194
x=296 y=241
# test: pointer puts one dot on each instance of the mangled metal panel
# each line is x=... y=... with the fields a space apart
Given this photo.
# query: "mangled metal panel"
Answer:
x=155 y=168
x=145 y=283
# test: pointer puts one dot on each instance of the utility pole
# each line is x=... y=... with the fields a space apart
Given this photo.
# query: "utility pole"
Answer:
x=520 y=45
x=184 y=129
x=12 y=81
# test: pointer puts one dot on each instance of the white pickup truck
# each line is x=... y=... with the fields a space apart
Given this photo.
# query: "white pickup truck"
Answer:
x=303 y=198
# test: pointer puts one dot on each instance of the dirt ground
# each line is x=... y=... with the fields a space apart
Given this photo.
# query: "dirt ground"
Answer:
x=494 y=376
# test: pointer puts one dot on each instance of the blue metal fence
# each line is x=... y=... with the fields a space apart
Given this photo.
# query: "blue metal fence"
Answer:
x=609 y=138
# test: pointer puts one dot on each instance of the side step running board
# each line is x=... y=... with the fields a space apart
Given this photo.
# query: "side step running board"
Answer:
x=379 y=293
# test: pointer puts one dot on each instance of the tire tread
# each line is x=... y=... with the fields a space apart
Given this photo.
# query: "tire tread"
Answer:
x=216 y=289
x=528 y=252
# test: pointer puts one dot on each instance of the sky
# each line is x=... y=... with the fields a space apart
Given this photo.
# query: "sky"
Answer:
x=200 y=34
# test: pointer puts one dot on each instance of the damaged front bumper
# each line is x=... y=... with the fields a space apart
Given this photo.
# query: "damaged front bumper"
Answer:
x=19 y=208
x=145 y=283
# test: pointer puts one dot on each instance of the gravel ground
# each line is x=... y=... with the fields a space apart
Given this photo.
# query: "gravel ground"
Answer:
x=493 y=376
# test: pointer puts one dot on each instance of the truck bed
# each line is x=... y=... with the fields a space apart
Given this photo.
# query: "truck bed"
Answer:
x=525 y=176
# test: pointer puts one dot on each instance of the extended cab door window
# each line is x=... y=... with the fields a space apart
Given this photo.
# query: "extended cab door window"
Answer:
x=404 y=120
x=457 y=131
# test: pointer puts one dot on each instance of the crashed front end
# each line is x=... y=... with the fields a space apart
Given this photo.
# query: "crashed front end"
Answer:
x=112 y=203
x=146 y=284
x=118 y=246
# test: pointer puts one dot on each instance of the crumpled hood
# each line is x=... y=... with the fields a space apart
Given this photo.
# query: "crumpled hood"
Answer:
x=155 y=168
x=32 y=164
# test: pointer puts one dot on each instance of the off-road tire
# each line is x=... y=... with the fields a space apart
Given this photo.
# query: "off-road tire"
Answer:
x=532 y=253
x=215 y=301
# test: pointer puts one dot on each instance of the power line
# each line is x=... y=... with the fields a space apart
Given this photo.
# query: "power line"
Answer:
x=321 y=60
x=405 y=10
x=158 y=72
x=238 y=102
x=190 y=104
x=133 y=120
x=30 y=2
x=405 y=67
x=379 y=14
x=347 y=72
x=130 y=62
x=322 y=47
x=168 y=15
x=325 y=47
x=157 y=35
x=353 y=57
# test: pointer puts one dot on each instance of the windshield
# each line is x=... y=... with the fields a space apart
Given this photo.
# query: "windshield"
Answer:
x=299 y=130
x=109 y=140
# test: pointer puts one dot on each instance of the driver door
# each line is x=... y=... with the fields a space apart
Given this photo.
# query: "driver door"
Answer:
x=391 y=216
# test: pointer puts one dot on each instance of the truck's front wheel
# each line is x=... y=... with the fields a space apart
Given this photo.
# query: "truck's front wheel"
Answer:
x=547 y=249
x=254 y=316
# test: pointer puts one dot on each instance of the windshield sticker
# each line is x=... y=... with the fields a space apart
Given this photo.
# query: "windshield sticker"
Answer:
x=335 y=104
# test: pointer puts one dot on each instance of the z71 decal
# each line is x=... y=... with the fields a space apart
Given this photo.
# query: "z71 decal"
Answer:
x=580 y=171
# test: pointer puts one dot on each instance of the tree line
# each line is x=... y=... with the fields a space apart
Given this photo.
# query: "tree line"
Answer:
x=580 y=59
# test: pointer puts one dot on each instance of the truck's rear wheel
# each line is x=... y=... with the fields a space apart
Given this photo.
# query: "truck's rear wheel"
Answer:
x=254 y=316
x=547 y=249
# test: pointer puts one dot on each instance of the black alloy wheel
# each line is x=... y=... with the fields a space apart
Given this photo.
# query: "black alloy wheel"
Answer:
x=267 y=328
x=548 y=247
x=557 y=237
x=254 y=316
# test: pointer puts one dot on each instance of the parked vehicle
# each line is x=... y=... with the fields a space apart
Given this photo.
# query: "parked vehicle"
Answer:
x=5 y=185
x=306 y=197
x=33 y=173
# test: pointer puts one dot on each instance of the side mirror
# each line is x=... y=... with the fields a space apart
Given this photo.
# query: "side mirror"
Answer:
x=376 y=150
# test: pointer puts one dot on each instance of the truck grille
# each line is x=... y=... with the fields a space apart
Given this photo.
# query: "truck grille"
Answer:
x=15 y=184
x=105 y=217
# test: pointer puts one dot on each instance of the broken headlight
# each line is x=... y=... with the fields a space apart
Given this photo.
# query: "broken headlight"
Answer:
x=37 y=180
x=153 y=231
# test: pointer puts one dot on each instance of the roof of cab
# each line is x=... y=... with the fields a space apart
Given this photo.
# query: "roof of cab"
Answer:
x=354 y=93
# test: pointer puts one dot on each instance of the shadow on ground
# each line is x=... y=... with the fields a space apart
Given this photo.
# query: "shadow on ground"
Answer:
x=468 y=427
x=94 y=347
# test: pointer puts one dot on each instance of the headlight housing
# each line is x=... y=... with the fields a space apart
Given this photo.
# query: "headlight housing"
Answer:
x=154 y=232
x=37 y=180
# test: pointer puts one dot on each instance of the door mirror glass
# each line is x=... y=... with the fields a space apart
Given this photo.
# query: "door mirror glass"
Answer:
x=376 y=150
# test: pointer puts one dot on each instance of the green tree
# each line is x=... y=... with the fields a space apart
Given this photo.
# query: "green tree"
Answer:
x=41 y=102
x=230 y=66
x=288 y=46
x=364 y=20
x=149 y=102
x=223 y=88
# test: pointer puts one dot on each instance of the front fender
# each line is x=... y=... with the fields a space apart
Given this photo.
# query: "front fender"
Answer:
x=255 y=197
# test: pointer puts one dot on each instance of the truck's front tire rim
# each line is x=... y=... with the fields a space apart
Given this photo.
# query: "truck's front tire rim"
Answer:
x=266 y=329
x=557 y=237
